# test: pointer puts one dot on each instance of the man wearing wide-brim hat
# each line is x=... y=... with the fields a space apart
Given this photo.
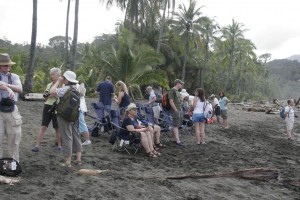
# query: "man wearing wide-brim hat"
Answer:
x=10 y=118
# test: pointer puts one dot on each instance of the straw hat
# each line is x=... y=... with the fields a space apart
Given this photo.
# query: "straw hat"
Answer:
x=130 y=106
x=5 y=59
x=70 y=76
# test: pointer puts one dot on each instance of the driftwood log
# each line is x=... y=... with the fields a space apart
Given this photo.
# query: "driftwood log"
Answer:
x=8 y=180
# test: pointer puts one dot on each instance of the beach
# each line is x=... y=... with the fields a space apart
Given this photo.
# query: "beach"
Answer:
x=255 y=140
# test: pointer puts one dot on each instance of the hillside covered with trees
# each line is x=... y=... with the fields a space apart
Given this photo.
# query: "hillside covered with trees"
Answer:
x=152 y=47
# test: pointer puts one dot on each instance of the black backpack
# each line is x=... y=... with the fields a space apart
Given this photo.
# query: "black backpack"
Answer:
x=9 y=167
x=68 y=106
x=158 y=97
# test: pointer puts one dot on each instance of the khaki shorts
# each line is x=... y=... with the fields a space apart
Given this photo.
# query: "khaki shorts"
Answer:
x=177 y=118
x=289 y=124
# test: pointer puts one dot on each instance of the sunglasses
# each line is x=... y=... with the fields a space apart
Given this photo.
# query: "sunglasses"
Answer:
x=5 y=65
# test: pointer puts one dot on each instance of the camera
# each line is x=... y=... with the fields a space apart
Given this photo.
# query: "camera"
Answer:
x=46 y=94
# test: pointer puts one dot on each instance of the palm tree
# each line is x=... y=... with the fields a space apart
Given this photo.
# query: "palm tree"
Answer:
x=30 y=72
x=67 y=36
x=75 y=35
x=231 y=33
x=187 y=24
x=132 y=63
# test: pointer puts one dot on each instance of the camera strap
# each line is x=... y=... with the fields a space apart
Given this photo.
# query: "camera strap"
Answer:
x=9 y=78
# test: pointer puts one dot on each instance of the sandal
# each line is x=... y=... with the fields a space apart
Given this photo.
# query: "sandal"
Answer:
x=155 y=147
x=160 y=145
x=156 y=153
x=65 y=165
x=76 y=162
x=151 y=155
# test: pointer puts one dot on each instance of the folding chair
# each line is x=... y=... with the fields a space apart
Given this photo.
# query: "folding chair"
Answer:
x=118 y=143
x=102 y=121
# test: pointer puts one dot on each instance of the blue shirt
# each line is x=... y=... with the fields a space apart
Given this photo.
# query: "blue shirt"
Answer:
x=105 y=88
x=223 y=103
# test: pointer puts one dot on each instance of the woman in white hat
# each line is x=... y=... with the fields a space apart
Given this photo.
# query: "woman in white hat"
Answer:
x=131 y=125
x=69 y=130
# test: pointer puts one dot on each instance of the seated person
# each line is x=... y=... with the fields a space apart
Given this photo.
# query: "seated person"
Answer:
x=154 y=130
x=130 y=125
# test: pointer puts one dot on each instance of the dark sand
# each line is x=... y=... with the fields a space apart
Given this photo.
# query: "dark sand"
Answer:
x=254 y=140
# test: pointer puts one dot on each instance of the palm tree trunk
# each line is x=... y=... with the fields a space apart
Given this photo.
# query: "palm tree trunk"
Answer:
x=161 y=30
x=67 y=37
x=75 y=35
x=30 y=72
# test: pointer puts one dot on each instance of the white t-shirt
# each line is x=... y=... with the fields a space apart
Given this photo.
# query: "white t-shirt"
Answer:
x=291 y=113
x=215 y=102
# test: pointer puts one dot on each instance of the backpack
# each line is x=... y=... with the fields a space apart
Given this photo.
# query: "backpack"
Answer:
x=281 y=113
x=68 y=106
x=166 y=101
x=158 y=97
x=208 y=112
x=9 y=167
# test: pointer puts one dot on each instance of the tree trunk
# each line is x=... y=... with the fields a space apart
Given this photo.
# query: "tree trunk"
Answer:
x=161 y=30
x=67 y=37
x=75 y=35
x=30 y=72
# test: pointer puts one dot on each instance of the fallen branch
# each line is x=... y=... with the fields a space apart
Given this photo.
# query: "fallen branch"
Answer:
x=250 y=174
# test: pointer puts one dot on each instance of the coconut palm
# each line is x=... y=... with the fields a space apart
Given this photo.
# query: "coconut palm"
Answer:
x=231 y=34
x=75 y=36
x=187 y=24
x=30 y=72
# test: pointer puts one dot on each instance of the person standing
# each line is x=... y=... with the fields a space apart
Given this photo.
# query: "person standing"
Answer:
x=123 y=99
x=223 y=108
x=174 y=98
x=69 y=130
x=289 y=118
x=10 y=118
x=106 y=92
x=199 y=104
x=216 y=107
x=49 y=113
x=152 y=102
x=83 y=129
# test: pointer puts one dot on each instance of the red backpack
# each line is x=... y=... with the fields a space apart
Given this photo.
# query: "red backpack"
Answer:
x=165 y=101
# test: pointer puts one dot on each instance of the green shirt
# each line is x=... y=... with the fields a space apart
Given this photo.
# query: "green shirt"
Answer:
x=50 y=100
x=175 y=95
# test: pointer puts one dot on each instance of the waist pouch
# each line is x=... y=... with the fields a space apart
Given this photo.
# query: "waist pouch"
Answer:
x=7 y=105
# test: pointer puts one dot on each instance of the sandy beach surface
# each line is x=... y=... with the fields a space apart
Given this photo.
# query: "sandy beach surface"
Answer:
x=254 y=140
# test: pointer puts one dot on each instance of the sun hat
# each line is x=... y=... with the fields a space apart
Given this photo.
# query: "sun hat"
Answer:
x=70 y=76
x=178 y=81
x=212 y=95
x=5 y=59
x=183 y=94
x=130 y=106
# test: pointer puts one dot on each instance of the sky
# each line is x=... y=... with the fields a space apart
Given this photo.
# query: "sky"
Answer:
x=273 y=26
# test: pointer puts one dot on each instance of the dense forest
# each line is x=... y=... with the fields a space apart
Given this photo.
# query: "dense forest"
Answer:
x=154 y=45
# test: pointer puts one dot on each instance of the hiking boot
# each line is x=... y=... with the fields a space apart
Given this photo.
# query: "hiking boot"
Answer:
x=87 y=142
x=35 y=149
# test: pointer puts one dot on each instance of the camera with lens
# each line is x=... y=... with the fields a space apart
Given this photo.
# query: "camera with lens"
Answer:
x=46 y=94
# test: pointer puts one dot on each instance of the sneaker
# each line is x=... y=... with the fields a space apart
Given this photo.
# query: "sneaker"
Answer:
x=180 y=144
x=35 y=149
x=87 y=142
x=203 y=142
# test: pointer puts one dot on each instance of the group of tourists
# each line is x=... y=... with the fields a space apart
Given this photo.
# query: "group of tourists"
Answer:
x=69 y=133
